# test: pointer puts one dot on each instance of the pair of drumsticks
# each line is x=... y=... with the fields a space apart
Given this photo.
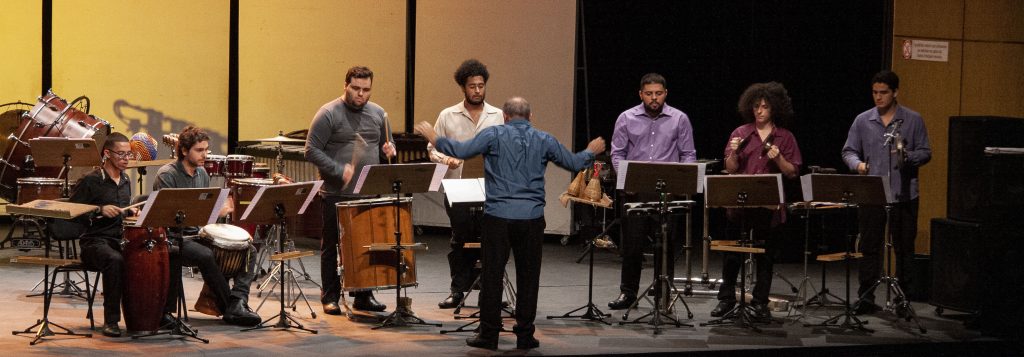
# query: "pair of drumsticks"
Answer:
x=360 y=147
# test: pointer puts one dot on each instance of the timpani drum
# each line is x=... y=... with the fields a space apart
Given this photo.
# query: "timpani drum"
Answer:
x=230 y=245
x=239 y=166
x=146 y=277
x=370 y=221
x=38 y=188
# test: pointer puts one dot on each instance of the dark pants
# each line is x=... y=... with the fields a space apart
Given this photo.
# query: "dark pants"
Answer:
x=525 y=237
x=329 y=251
x=872 y=231
x=639 y=231
x=760 y=221
x=104 y=255
x=465 y=224
x=193 y=253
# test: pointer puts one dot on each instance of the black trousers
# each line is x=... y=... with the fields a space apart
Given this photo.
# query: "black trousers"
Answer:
x=192 y=253
x=760 y=221
x=872 y=231
x=640 y=231
x=465 y=224
x=525 y=237
x=329 y=251
x=104 y=255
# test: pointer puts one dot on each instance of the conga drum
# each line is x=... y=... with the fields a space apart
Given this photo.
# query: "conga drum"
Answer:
x=370 y=221
x=230 y=245
x=215 y=164
x=146 y=277
x=239 y=166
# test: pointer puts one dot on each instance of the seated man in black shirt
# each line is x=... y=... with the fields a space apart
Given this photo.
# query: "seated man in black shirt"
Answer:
x=108 y=188
x=188 y=172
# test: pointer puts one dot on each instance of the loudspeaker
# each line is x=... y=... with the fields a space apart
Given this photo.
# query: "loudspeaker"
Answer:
x=958 y=265
x=985 y=188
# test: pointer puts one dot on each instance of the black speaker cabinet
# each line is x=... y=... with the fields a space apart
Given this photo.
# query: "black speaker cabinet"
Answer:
x=958 y=265
x=985 y=188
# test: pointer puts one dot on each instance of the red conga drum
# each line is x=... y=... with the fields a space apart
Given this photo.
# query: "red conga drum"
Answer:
x=146 y=277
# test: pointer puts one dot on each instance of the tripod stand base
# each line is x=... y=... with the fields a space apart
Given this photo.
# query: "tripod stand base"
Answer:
x=284 y=322
x=401 y=317
x=43 y=330
x=592 y=314
x=850 y=322
x=658 y=314
x=740 y=316
x=898 y=303
x=177 y=329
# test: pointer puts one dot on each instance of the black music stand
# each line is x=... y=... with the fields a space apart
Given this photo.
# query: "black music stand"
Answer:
x=180 y=207
x=278 y=203
x=852 y=191
x=742 y=192
x=64 y=152
x=665 y=179
x=398 y=179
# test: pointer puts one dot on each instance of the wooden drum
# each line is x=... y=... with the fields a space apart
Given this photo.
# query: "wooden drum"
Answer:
x=372 y=221
x=146 y=277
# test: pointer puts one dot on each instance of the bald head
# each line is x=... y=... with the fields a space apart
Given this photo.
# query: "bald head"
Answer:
x=516 y=107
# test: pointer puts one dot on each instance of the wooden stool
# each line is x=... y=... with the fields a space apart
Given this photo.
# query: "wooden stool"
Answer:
x=739 y=314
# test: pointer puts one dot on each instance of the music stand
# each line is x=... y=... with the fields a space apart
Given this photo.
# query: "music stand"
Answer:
x=180 y=207
x=64 y=152
x=742 y=192
x=665 y=179
x=278 y=203
x=852 y=191
x=398 y=179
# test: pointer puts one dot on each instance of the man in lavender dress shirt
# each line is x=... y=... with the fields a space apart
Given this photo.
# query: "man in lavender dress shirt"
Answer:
x=651 y=131
x=867 y=152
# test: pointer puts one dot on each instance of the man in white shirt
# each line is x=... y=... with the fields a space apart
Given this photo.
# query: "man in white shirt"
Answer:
x=461 y=122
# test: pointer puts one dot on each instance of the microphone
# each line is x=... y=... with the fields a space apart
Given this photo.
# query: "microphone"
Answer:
x=144 y=146
x=894 y=132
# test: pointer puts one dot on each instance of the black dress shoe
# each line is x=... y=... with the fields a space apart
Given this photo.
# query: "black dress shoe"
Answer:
x=724 y=306
x=239 y=313
x=479 y=341
x=368 y=303
x=452 y=301
x=622 y=302
x=761 y=312
x=332 y=308
x=527 y=343
x=865 y=307
x=166 y=321
x=111 y=330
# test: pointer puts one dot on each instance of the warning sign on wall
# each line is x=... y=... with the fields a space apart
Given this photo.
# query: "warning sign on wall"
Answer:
x=937 y=51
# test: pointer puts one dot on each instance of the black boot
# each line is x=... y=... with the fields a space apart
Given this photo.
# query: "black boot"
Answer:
x=724 y=306
x=480 y=341
x=622 y=302
x=238 y=313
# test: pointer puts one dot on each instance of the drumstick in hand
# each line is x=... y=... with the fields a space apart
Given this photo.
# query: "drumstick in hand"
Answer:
x=387 y=137
x=358 y=148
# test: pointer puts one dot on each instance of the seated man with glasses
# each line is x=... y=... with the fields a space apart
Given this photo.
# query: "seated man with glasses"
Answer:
x=109 y=189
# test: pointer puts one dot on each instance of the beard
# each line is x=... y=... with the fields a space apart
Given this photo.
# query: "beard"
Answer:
x=470 y=100
x=651 y=109
x=353 y=107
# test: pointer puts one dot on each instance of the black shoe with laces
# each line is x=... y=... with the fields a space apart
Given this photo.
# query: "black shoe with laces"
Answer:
x=368 y=303
x=453 y=300
x=623 y=301
x=111 y=330
x=479 y=341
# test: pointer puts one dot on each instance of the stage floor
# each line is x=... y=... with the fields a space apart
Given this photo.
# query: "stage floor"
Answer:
x=563 y=288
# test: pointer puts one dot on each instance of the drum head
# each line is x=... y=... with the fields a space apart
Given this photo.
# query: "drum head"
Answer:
x=241 y=158
x=226 y=236
x=215 y=158
x=252 y=182
x=40 y=181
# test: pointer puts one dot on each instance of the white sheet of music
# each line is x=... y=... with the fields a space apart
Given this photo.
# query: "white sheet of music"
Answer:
x=464 y=190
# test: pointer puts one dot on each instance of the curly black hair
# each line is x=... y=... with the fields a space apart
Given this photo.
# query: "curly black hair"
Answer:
x=189 y=137
x=773 y=93
x=470 y=68
x=888 y=77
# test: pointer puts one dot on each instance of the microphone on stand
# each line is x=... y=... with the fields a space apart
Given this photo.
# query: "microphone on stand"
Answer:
x=894 y=132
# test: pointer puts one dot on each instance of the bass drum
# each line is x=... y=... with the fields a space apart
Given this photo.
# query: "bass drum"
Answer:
x=52 y=116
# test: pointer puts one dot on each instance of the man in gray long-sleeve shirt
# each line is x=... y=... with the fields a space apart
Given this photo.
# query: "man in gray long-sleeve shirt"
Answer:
x=346 y=134
x=870 y=150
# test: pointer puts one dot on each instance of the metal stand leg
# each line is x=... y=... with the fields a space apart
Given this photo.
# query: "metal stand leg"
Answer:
x=896 y=301
x=592 y=313
x=850 y=320
x=284 y=320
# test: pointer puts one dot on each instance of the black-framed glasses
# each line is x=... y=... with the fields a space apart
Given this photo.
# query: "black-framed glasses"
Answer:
x=121 y=154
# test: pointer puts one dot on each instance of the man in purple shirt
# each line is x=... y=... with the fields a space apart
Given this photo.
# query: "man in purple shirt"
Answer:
x=651 y=131
x=870 y=150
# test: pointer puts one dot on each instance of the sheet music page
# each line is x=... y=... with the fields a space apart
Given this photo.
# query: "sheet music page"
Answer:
x=310 y=195
x=255 y=198
x=147 y=206
x=464 y=190
x=620 y=175
x=701 y=168
x=439 y=171
x=805 y=186
x=221 y=198
x=782 y=195
x=362 y=177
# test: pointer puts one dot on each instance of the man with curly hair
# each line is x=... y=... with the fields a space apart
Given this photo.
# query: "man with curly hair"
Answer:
x=761 y=146
x=461 y=122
